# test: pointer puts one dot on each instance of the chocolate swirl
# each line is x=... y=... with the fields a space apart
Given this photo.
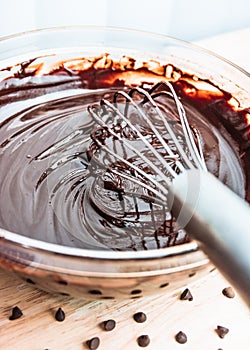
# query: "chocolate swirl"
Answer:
x=55 y=188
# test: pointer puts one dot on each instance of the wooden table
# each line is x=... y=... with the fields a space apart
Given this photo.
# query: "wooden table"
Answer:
x=37 y=329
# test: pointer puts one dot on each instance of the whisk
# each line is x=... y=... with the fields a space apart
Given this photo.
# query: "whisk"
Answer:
x=176 y=173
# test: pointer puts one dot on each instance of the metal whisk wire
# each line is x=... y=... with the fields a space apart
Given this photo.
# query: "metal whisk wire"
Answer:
x=178 y=155
x=196 y=153
x=180 y=160
x=98 y=118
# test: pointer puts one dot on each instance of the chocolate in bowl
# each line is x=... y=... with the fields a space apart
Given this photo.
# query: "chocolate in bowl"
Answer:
x=52 y=201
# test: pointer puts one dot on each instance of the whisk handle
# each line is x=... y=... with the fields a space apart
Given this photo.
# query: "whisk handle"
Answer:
x=219 y=220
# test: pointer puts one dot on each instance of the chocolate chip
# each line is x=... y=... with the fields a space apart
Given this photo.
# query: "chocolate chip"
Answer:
x=136 y=291
x=62 y=282
x=181 y=337
x=140 y=317
x=108 y=297
x=28 y=280
x=186 y=295
x=143 y=340
x=192 y=274
x=222 y=331
x=109 y=325
x=16 y=313
x=163 y=285
x=228 y=292
x=60 y=315
x=93 y=343
x=95 y=292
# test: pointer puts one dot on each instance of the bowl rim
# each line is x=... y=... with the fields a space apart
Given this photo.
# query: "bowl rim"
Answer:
x=43 y=246
x=188 y=44
x=38 y=245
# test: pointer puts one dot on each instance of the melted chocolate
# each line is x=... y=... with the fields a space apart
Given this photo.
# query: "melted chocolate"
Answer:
x=55 y=185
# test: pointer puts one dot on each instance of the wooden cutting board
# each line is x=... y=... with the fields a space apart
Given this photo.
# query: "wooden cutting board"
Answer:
x=166 y=314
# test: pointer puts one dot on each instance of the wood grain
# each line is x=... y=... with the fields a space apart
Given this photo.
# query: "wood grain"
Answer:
x=37 y=329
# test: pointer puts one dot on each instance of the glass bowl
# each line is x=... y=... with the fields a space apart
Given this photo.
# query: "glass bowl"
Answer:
x=108 y=274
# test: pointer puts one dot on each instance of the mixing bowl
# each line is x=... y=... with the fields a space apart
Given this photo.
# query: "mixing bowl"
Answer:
x=140 y=59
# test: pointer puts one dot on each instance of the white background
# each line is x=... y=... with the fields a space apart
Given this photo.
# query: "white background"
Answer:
x=184 y=19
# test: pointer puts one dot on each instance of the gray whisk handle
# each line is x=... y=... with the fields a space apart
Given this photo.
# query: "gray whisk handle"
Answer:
x=219 y=220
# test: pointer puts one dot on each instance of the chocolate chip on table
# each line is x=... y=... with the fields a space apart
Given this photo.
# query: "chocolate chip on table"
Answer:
x=60 y=315
x=28 y=280
x=143 y=340
x=140 y=317
x=228 y=292
x=181 y=337
x=109 y=325
x=222 y=331
x=93 y=343
x=186 y=295
x=16 y=313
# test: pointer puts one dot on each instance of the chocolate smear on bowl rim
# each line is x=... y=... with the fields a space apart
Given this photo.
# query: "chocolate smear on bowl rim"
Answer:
x=143 y=340
x=16 y=313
